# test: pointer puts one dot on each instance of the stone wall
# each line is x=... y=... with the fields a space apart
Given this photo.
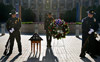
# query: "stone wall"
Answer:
x=73 y=28
x=30 y=28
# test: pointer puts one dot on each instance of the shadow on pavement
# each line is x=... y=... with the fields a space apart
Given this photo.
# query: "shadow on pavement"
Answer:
x=79 y=37
x=2 y=35
x=15 y=58
x=49 y=57
x=4 y=58
x=97 y=59
x=86 y=60
x=33 y=58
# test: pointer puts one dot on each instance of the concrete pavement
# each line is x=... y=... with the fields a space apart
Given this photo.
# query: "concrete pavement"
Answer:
x=64 y=50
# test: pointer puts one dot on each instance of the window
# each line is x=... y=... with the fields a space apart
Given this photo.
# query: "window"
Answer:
x=69 y=4
x=33 y=4
x=61 y=4
x=47 y=4
x=54 y=4
x=40 y=4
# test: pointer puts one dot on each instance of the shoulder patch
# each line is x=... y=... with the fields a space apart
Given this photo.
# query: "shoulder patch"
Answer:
x=18 y=19
x=83 y=19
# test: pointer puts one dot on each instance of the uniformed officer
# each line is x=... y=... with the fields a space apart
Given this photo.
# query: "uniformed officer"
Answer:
x=13 y=26
x=89 y=26
x=47 y=22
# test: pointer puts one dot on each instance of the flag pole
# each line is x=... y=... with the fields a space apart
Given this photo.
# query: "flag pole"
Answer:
x=20 y=9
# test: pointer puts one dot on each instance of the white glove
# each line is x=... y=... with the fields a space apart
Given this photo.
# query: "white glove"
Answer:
x=98 y=39
x=90 y=32
x=12 y=30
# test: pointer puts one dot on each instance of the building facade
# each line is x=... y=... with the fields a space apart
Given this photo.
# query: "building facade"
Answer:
x=57 y=7
x=42 y=7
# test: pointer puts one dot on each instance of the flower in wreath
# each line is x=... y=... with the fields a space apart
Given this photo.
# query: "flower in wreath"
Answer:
x=58 y=29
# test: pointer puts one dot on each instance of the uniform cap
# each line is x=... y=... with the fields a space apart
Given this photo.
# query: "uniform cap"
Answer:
x=49 y=13
x=91 y=12
x=13 y=12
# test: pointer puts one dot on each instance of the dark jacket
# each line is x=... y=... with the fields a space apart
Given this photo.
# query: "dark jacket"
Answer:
x=13 y=23
x=89 y=23
x=47 y=22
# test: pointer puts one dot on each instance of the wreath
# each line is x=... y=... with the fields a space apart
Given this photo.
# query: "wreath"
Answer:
x=58 y=28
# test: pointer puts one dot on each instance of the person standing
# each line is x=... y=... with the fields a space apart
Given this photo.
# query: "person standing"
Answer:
x=13 y=26
x=89 y=26
x=47 y=22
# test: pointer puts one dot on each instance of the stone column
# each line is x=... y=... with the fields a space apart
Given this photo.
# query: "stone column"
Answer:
x=43 y=11
x=36 y=28
x=29 y=3
x=77 y=30
x=2 y=29
x=58 y=9
x=13 y=3
x=50 y=5
x=38 y=10
x=90 y=3
x=73 y=3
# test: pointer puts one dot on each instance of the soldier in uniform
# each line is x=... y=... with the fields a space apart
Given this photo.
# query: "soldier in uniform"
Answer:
x=13 y=26
x=47 y=22
x=89 y=26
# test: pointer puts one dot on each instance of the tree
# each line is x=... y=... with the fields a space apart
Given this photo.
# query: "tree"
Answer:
x=84 y=12
x=97 y=16
x=4 y=12
x=70 y=16
x=28 y=15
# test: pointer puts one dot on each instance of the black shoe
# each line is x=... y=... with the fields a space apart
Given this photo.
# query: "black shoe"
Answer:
x=82 y=55
x=8 y=54
x=20 y=53
x=5 y=54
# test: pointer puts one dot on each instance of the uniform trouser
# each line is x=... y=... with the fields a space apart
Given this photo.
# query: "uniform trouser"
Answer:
x=84 y=43
x=84 y=38
x=92 y=44
x=49 y=38
x=18 y=39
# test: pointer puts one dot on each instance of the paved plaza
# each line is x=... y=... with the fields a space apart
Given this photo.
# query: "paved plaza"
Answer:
x=64 y=50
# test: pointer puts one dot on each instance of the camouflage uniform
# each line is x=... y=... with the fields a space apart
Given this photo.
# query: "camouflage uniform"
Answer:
x=16 y=24
x=48 y=35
